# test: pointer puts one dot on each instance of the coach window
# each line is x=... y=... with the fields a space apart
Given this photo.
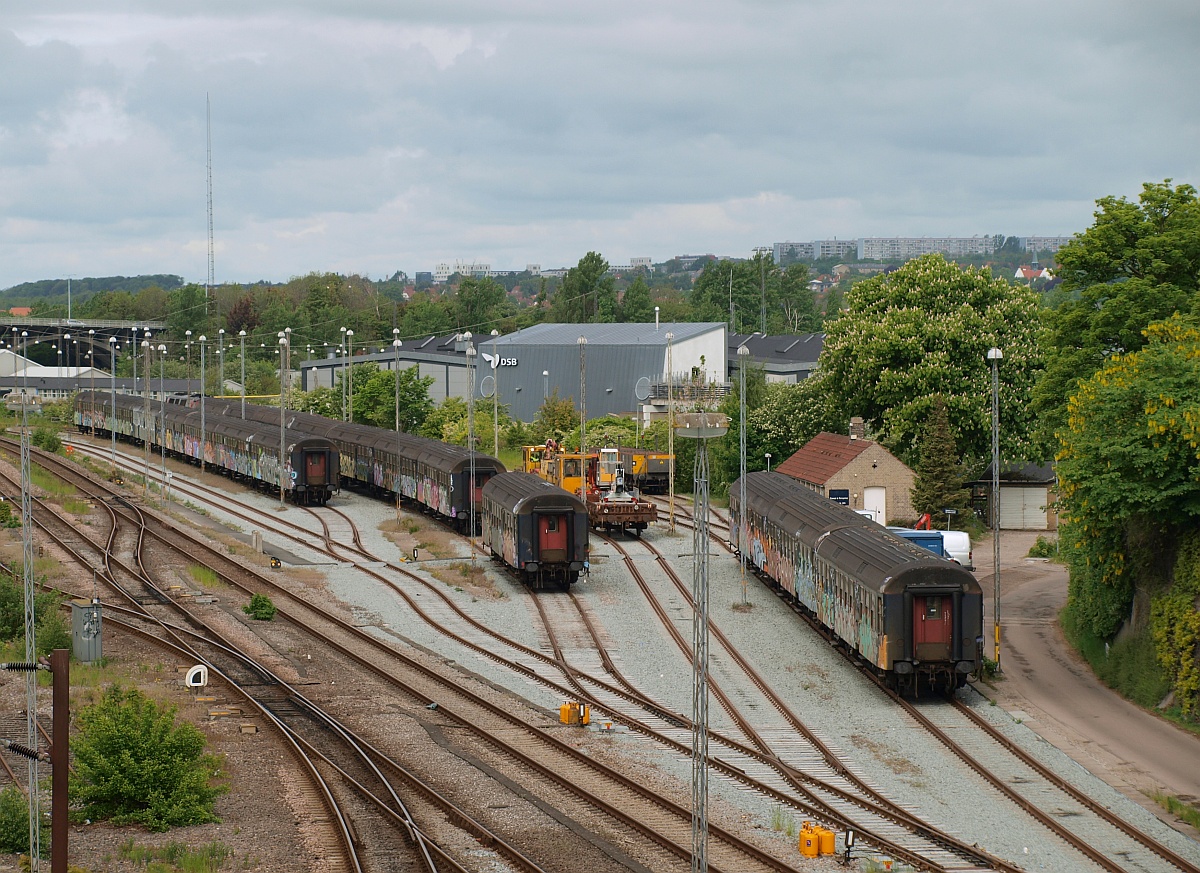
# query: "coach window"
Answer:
x=552 y=524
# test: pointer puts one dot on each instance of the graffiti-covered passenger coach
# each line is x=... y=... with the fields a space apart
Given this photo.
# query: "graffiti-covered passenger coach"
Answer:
x=915 y=617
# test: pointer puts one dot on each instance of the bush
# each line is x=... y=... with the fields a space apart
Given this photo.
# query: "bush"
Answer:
x=1044 y=548
x=261 y=608
x=14 y=821
x=135 y=765
x=46 y=439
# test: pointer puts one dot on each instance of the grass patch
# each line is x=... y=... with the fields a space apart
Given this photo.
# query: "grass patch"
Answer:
x=76 y=507
x=1178 y=808
x=1128 y=666
x=204 y=577
x=177 y=857
x=55 y=488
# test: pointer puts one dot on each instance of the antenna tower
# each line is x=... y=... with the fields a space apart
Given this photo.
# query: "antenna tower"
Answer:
x=210 y=279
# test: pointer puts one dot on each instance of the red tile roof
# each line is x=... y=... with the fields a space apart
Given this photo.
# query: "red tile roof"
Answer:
x=822 y=457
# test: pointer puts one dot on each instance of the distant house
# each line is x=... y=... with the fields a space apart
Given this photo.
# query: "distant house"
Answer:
x=1030 y=274
x=855 y=472
x=20 y=311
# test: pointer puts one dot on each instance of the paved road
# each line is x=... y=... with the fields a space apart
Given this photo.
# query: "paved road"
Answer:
x=1056 y=694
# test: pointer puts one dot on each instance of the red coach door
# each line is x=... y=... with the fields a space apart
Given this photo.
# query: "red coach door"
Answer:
x=315 y=474
x=932 y=627
x=552 y=538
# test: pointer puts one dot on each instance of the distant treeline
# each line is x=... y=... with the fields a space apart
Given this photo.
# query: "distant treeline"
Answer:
x=29 y=293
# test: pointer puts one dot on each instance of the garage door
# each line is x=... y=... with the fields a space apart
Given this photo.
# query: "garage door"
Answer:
x=1023 y=507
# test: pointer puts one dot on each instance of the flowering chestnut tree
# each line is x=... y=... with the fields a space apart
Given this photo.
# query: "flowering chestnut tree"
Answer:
x=923 y=332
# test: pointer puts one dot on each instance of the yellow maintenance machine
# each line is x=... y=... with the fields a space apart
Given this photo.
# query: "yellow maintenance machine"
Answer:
x=600 y=478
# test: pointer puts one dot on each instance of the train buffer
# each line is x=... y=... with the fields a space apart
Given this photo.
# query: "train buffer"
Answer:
x=576 y=713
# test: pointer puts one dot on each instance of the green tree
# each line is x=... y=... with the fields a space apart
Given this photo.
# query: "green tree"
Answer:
x=924 y=331
x=1129 y=472
x=636 y=306
x=588 y=293
x=556 y=417
x=477 y=303
x=1138 y=263
x=448 y=421
x=135 y=765
x=375 y=397
x=797 y=301
x=940 y=477
x=789 y=417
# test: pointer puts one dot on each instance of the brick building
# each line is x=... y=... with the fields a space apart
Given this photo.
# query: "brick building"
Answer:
x=855 y=472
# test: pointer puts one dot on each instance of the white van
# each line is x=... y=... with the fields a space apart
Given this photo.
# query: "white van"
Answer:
x=957 y=545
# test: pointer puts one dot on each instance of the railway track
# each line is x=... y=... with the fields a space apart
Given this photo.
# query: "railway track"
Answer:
x=572 y=653
x=639 y=806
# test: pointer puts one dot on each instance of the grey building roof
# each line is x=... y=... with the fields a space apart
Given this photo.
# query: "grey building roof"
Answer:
x=605 y=334
x=779 y=354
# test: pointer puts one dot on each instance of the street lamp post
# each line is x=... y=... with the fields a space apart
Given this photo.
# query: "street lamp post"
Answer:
x=242 y=355
x=583 y=419
x=92 y=368
x=203 y=339
x=768 y=462
x=350 y=375
x=545 y=385
x=112 y=426
x=743 y=353
x=188 y=343
x=670 y=434
x=283 y=348
x=995 y=356
x=133 y=356
x=471 y=443
x=495 y=394
x=221 y=353
x=396 y=473
x=146 y=429
x=162 y=395
x=342 y=349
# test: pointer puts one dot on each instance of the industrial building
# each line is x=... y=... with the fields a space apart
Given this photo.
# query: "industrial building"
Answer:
x=626 y=365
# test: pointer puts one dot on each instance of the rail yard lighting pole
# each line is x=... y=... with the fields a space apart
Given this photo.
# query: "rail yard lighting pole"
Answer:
x=670 y=434
x=495 y=395
x=134 y=357
x=545 y=385
x=283 y=349
x=147 y=430
x=396 y=473
x=994 y=355
x=768 y=455
x=471 y=443
x=162 y=399
x=743 y=353
x=396 y=373
x=92 y=367
x=188 y=342
x=583 y=419
x=342 y=349
x=200 y=451
x=112 y=424
x=242 y=355
x=350 y=375
x=701 y=426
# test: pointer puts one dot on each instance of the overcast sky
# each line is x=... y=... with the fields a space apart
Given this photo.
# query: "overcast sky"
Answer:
x=370 y=136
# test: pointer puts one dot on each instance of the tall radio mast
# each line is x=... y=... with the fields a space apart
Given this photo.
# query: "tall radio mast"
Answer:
x=210 y=280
